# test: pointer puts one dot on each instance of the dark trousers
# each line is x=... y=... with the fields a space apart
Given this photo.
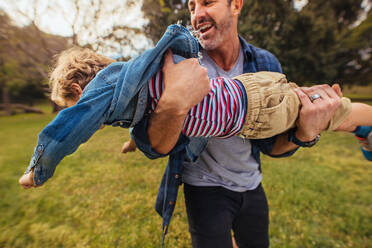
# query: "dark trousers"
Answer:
x=214 y=211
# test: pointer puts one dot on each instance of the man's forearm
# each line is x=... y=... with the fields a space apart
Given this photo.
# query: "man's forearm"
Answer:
x=282 y=145
x=185 y=85
x=165 y=127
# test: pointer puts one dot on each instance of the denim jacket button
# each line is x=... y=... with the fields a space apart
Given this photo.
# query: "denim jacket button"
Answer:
x=171 y=202
x=121 y=123
x=176 y=176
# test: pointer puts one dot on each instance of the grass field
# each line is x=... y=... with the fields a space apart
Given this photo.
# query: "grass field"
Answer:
x=321 y=197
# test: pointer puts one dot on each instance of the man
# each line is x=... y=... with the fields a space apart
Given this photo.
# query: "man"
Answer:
x=222 y=177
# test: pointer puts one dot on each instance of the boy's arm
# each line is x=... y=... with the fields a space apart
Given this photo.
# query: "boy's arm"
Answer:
x=71 y=127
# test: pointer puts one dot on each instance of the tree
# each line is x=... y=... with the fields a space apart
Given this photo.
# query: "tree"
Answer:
x=342 y=13
x=109 y=27
x=309 y=43
x=106 y=26
x=360 y=42
x=25 y=54
x=314 y=45
x=162 y=13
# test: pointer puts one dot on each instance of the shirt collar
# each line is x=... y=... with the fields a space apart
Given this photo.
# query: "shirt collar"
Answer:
x=246 y=49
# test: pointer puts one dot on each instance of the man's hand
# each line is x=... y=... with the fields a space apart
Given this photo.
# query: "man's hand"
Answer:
x=315 y=115
x=185 y=85
x=129 y=146
x=27 y=180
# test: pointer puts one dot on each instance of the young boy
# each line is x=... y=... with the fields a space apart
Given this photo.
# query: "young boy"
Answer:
x=254 y=105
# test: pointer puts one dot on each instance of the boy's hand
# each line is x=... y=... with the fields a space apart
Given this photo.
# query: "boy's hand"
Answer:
x=27 y=180
x=129 y=146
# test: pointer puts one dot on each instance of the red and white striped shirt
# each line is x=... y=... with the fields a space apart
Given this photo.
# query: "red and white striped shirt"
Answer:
x=221 y=113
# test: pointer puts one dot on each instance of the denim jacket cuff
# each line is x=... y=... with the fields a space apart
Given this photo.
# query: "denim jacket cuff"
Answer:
x=35 y=166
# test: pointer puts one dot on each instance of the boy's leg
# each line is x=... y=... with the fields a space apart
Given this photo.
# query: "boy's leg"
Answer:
x=361 y=115
x=359 y=121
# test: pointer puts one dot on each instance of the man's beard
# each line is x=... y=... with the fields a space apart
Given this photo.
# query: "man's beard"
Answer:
x=211 y=43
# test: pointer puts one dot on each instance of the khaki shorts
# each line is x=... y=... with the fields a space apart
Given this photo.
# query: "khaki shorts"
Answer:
x=273 y=106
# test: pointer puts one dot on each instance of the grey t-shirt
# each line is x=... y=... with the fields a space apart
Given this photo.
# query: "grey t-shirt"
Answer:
x=224 y=162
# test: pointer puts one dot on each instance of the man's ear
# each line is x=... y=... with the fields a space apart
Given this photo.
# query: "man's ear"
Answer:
x=236 y=6
x=76 y=90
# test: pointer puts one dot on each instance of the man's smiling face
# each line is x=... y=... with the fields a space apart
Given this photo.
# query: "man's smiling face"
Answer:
x=213 y=19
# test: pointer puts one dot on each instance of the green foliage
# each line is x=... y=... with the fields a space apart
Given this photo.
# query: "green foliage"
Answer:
x=360 y=41
x=99 y=198
x=310 y=43
x=341 y=13
x=25 y=54
x=162 y=13
x=22 y=87
x=318 y=44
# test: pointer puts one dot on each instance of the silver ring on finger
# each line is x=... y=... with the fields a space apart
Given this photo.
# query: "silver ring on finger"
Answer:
x=314 y=97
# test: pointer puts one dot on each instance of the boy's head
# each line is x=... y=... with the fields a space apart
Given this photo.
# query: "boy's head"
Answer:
x=74 y=69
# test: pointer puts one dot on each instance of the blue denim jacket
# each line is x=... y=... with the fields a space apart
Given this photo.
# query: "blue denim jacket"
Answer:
x=116 y=96
x=255 y=59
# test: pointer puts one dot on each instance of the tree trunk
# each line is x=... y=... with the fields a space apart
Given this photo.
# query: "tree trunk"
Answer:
x=25 y=108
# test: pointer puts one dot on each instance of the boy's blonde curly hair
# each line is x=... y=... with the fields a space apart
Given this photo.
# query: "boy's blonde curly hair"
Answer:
x=74 y=65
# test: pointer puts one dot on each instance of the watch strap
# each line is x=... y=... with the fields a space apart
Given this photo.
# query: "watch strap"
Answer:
x=292 y=138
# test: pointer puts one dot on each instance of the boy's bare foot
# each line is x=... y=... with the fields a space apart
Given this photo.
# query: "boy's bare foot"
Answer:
x=129 y=146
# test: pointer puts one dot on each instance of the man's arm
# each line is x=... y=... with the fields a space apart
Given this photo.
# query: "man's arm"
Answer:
x=313 y=117
x=185 y=85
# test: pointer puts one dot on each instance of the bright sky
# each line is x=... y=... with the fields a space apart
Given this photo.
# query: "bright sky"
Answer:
x=56 y=23
x=299 y=4
x=58 y=20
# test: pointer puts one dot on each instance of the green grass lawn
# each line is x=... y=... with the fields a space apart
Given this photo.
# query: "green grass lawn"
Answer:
x=321 y=197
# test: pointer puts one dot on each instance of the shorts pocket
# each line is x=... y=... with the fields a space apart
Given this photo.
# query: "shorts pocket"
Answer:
x=278 y=117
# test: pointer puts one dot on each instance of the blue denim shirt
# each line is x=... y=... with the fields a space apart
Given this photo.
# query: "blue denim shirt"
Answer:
x=116 y=96
x=255 y=59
